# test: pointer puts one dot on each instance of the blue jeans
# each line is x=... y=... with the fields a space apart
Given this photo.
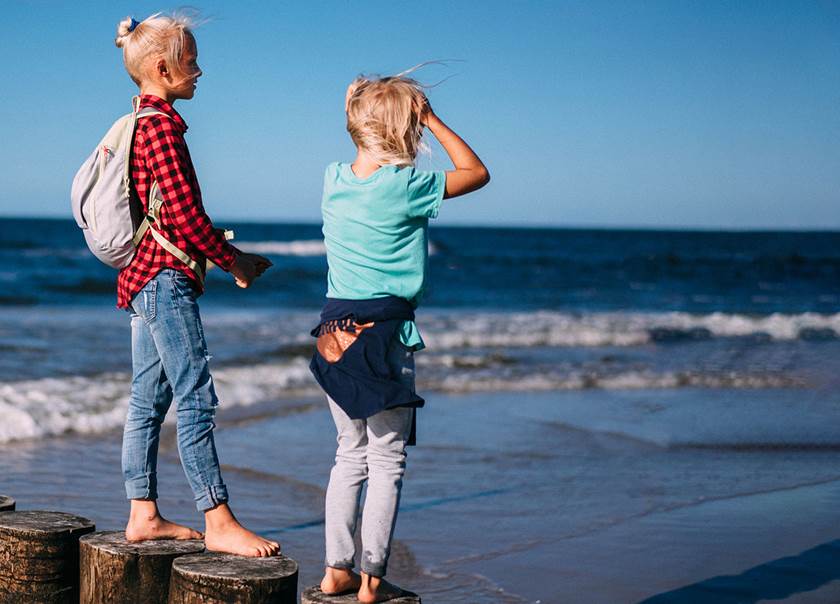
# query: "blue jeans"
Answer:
x=170 y=361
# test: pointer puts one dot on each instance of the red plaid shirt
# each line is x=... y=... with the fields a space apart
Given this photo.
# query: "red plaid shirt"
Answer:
x=160 y=154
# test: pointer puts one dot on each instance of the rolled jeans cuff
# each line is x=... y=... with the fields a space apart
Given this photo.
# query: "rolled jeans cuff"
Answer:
x=144 y=487
x=212 y=496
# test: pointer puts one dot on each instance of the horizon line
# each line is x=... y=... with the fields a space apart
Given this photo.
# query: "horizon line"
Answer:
x=522 y=225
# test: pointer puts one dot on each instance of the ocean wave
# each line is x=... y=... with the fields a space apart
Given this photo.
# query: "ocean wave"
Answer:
x=304 y=247
x=85 y=404
x=51 y=406
x=18 y=300
x=84 y=286
x=88 y=404
x=17 y=244
x=556 y=329
x=625 y=380
x=56 y=252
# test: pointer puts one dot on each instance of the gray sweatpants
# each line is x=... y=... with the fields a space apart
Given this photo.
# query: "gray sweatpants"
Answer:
x=372 y=450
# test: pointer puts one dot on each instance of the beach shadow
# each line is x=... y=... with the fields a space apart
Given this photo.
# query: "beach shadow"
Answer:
x=774 y=580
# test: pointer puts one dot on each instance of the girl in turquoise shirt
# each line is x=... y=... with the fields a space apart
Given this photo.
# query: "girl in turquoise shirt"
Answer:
x=376 y=214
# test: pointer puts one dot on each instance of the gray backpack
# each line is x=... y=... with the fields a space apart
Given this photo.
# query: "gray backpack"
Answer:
x=101 y=198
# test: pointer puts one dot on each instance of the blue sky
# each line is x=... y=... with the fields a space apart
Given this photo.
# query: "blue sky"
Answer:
x=687 y=114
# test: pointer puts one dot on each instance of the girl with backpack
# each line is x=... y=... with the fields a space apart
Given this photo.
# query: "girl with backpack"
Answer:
x=376 y=214
x=160 y=287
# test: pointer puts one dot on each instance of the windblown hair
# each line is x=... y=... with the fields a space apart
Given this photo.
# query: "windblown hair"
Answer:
x=383 y=117
x=157 y=36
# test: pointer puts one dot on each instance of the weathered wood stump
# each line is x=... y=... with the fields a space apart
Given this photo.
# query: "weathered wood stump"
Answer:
x=39 y=556
x=221 y=578
x=313 y=595
x=7 y=504
x=114 y=570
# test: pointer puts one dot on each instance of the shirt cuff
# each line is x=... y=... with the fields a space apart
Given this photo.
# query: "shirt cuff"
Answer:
x=227 y=258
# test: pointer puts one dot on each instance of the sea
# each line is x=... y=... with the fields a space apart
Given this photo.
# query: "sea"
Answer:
x=613 y=415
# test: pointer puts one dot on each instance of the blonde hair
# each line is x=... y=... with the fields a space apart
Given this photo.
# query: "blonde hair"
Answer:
x=157 y=36
x=383 y=117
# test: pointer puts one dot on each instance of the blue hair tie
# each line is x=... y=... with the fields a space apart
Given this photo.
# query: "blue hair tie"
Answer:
x=134 y=24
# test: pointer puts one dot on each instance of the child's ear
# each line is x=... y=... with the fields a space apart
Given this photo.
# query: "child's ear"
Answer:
x=161 y=69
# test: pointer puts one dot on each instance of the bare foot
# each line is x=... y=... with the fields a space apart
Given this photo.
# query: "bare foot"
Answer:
x=225 y=534
x=339 y=580
x=374 y=589
x=145 y=523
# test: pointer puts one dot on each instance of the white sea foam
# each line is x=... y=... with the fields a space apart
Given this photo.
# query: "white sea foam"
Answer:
x=305 y=247
x=625 y=380
x=85 y=404
x=52 y=406
x=35 y=408
x=544 y=328
x=458 y=360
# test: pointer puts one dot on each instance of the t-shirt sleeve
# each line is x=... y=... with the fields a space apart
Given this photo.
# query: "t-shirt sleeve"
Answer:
x=425 y=192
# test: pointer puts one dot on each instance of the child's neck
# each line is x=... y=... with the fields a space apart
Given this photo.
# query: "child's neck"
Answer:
x=158 y=91
x=364 y=165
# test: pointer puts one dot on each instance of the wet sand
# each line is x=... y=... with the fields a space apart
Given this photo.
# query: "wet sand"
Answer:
x=552 y=497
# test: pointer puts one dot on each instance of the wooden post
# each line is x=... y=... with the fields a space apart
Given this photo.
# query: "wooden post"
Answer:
x=313 y=595
x=7 y=504
x=39 y=556
x=219 y=578
x=114 y=570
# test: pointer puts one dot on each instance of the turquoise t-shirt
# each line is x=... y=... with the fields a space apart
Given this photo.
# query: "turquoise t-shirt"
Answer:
x=376 y=234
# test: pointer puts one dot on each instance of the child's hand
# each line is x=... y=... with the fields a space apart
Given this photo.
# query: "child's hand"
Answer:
x=244 y=272
x=426 y=112
x=247 y=268
x=261 y=263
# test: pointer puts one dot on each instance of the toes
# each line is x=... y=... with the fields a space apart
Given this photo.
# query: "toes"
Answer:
x=273 y=545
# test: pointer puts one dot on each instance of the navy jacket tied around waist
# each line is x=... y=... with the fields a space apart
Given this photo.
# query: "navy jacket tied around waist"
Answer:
x=356 y=374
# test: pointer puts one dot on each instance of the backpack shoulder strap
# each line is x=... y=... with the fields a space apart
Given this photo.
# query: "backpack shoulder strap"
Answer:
x=131 y=127
x=149 y=111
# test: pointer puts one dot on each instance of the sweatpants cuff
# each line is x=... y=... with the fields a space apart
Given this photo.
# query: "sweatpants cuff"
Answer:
x=373 y=569
x=343 y=565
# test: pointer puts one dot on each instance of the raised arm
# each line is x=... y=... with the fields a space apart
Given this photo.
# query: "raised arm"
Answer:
x=470 y=173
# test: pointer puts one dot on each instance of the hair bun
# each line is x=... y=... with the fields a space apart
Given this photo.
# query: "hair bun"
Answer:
x=123 y=31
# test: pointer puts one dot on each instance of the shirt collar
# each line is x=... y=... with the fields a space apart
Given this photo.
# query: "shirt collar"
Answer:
x=150 y=100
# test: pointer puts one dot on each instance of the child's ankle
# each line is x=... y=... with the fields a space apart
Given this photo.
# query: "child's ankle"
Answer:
x=370 y=581
x=338 y=573
x=219 y=517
